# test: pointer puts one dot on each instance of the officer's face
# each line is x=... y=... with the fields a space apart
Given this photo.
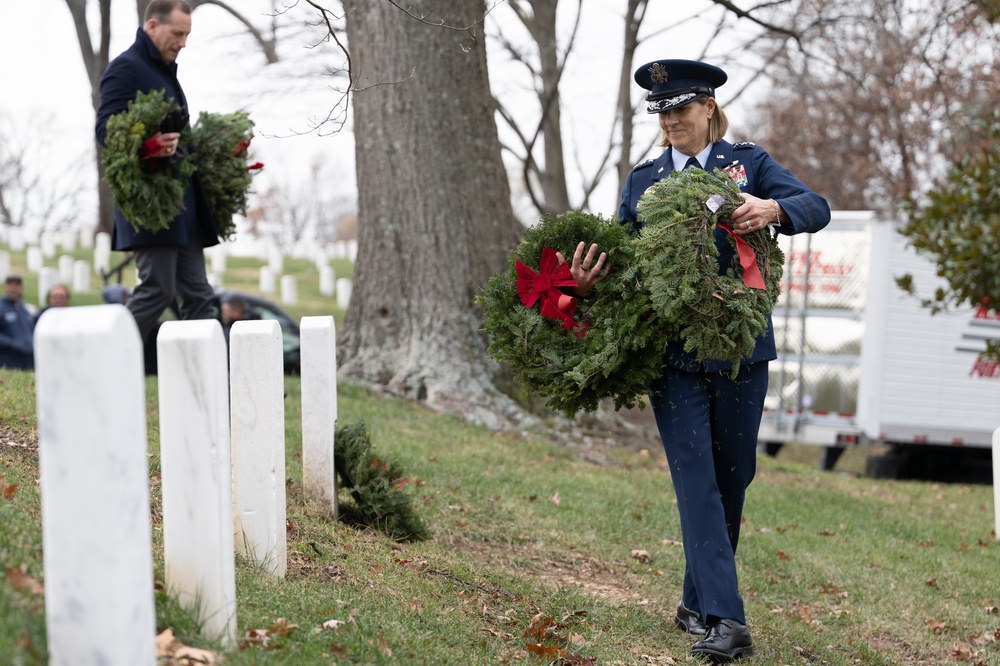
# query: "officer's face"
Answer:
x=170 y=37
x=686 y=128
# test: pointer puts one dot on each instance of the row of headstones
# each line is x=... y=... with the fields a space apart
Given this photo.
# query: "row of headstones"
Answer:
x=49 y=241
x=77 y=273
x=222 y=470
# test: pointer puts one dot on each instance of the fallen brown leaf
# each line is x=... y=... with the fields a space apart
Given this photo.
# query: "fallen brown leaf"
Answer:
x=7 y=491
x=22 y=582
x=640 y=554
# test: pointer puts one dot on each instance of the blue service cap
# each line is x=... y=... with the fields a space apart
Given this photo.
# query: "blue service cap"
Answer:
x=674 y=83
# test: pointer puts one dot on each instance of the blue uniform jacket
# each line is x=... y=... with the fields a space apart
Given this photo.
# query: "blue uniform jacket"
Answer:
x=804 y=211
x=141 y=69
x=17 y=329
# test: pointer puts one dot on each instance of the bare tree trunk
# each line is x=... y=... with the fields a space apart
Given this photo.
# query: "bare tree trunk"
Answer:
x=434 y=213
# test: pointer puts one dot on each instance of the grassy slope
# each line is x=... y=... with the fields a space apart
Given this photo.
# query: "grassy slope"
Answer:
x=847 y=570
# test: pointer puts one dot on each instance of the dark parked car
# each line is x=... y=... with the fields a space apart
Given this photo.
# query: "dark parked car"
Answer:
x=257 y=308
x=261 y=308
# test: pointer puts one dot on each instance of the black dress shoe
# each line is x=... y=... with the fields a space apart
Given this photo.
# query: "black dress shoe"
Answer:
x=689 y=621
x=725 y=640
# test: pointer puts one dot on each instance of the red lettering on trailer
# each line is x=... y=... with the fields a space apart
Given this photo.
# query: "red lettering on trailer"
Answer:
x=817 y=264
x=984 y=367
x=982 y=312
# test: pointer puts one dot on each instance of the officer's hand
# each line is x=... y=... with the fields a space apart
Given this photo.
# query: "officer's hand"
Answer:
x=755 y=214
x=585 y=270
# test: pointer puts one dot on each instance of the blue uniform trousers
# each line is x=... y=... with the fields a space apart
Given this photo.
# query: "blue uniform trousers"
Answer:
x=709 y=423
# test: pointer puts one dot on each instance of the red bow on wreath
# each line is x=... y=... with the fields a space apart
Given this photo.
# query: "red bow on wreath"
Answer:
x=544 y=285
x=748 y=260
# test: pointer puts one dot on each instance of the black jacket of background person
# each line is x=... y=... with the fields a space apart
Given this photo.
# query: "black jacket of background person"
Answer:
x=141 y=69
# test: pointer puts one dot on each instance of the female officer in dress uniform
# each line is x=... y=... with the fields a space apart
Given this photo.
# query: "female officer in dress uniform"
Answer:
x=708 y=421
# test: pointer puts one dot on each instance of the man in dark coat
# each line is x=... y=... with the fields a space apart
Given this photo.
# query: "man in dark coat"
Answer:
x=170 y=262
x=17 y=327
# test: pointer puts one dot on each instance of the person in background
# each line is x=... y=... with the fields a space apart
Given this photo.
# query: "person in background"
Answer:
x=116 y=294
x=17 y=327
x=234 y=309
x=58 y=297
x=171 y=262
x=708 y=421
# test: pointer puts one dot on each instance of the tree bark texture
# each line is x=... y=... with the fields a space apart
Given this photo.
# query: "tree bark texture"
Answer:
x=434 y=213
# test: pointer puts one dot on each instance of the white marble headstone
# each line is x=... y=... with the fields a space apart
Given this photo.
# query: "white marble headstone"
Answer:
x=258 y=442
x=33 y=258
x=65 y=267
x=97 y=547
x=81 y=276
x=47 y=278
x=289 y=291
x=326 y=280
x=319 y=406
x=198 y=550
x=344 y=287
x=102 y=252
x=266 y=280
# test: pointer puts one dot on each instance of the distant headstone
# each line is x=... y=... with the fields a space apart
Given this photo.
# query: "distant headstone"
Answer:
x=48 y=277
x=352 y=250
x=258 y=442
x=217 y=255
x=344 y=287
x=102 y=252
x=215 y=280
x=319 y=406
x=289 y=291
x=65 y=267
x=266 y=280
x=86 y=236
x=67 y=239
x=97 y=548
x=48 y=244
x=198 y=548
x=81 y=277
x=276 y=261
x=33 y=258
x=15 y=239
x=326 y=280
x=4 y=263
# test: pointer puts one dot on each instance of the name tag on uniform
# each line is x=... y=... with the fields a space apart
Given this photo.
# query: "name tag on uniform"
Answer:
x=738 y=173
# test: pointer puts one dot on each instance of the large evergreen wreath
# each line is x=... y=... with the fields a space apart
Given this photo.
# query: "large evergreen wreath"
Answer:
x=608 y=347
x=149 y=192
x=715 y=316
x=220 y=144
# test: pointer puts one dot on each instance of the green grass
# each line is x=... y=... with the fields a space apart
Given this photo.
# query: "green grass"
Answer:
x=848 y=570
x=835 y=569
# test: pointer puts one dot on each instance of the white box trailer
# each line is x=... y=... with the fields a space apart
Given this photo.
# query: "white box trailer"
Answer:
x=863 y=362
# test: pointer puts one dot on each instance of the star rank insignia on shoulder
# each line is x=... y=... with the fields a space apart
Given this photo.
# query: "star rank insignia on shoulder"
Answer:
x=744 y=144
x=640 y=165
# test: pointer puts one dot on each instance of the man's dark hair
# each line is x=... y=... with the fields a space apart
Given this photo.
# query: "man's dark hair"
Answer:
x=162 y=9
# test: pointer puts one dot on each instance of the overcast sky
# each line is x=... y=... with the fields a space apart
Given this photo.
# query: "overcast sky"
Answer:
x=45 y=86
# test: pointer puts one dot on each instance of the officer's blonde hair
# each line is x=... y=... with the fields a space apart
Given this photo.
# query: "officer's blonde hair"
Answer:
x=718 y=124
